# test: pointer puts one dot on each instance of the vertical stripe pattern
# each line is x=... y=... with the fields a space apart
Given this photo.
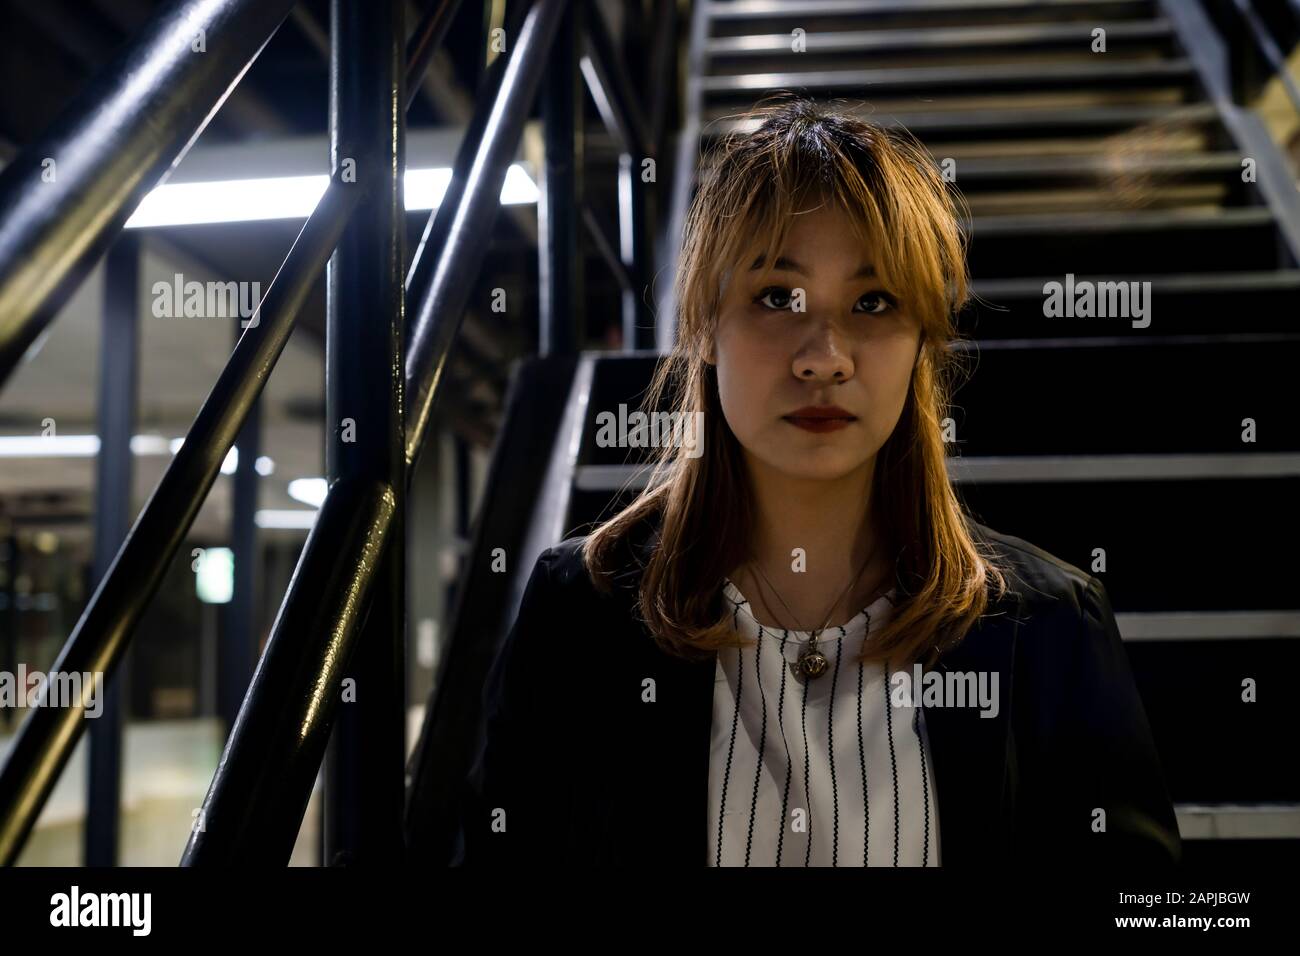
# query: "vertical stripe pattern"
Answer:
x=798 y=770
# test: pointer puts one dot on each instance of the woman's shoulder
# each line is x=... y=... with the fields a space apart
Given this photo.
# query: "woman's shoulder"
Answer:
x=1062 y=621
x=1038 y=579
x=566 y=567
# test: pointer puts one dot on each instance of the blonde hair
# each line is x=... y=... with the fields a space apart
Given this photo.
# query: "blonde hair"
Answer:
x=751 y=185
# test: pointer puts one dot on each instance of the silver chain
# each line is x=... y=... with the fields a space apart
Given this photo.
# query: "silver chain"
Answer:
x=812 y=641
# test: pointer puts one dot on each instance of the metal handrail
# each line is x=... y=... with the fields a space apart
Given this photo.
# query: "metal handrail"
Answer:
x=67 y=195
x=284 y=724
x=439 y=314
x=1268 y=47
x=424 y=43
x=611 y=90
x=47 y=737
x=1207 y=49
x=258 y=794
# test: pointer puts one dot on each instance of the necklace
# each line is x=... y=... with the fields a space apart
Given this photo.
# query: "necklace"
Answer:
x=812 y=662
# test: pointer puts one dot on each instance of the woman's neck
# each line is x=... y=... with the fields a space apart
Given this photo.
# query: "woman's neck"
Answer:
x=832 y=524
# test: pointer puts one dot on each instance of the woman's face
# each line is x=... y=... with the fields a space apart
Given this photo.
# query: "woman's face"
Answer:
x=818 y=330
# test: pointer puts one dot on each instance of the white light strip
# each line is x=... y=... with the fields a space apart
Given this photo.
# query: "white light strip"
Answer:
x=87 y=446
x=292 y=197
x=232 y=200
x=49 y=446
x=1263 y=821
x=149 y=445
x=310 y=491
x=1207 y=625
x=292 y=518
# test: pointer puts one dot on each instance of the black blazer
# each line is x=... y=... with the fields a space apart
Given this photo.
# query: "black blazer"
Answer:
x=588 y=773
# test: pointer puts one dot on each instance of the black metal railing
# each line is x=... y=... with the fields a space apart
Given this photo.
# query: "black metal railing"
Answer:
x=66 y=197
x=254 y=807
x=1261 y=37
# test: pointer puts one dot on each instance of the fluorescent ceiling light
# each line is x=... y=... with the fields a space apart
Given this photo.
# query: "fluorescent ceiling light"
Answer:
x=149 y=445
x=49 y=446
x=214 y=578
x=231 y=200
x=292 y=197
x=87 y=446
x=310 y=491
x=424 y=188
x=72 y=446
x=296 y=518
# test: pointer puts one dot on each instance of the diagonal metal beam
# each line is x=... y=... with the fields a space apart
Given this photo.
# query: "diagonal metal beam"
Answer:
x=66 y=196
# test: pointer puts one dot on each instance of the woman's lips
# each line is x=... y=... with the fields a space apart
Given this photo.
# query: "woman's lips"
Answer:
x=819 y=424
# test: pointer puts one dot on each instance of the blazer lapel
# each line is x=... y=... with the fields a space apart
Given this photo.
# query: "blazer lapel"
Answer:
x=670 y=754
x=970 y=751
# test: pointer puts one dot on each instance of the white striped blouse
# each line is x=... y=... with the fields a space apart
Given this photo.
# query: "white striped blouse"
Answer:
x=815 y=773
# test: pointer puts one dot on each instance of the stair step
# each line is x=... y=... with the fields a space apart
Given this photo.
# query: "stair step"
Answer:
x=1162 y=240
x=1172 y=545
x=1278 y=280
x=987 y=124
x=1222 y=821
x=1029 y=469
x=1071 y=199
x=1191 y=692
x=766 y=16
x=940 y=100
x=944 y=39
x=1163 y=143
x=1212 y=304
x=1152 y=39
x=1110 y=222
x=1107 y=401
x=1209 y=625
x=1133 y=180
x=1175 y=73
x=1085 y=165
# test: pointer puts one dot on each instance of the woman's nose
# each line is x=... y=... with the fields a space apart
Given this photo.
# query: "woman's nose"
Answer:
x=822 y=359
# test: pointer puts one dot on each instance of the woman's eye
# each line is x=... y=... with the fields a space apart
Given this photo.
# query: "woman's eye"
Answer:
x=876 y=302
x=778 y=298
x=781 y=296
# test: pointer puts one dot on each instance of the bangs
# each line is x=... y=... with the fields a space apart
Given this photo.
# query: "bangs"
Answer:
x=899 y=208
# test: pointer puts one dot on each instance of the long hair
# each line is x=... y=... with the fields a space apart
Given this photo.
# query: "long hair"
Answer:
x=750 y=186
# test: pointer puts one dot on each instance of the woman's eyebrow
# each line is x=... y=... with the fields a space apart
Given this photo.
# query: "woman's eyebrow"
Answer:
x=783 y=262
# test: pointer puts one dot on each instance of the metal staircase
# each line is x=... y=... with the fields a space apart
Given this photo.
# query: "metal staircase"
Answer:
x=1075 y=433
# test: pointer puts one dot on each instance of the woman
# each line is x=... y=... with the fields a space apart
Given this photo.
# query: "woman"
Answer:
x=794 y=647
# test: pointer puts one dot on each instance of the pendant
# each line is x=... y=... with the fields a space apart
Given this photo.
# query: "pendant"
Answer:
x=812 y=662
